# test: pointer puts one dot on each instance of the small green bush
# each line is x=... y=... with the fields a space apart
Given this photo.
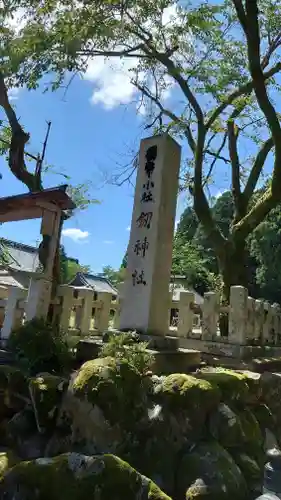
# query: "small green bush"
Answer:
x=126 y=346
x=40 y=347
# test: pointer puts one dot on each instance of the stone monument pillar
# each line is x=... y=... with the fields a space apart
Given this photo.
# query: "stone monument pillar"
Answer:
x=146 y=295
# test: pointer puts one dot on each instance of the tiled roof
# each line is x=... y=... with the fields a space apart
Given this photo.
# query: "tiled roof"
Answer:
x=7 y=280
x=20 y=257
x=97 y=283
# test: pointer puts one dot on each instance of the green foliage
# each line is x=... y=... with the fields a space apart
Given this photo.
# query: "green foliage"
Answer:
x=40 y=347
x=5 y=257
x=194 y=256
x=126 y=346
x=115 y=277
x=198 y=48
x=188 y=261
x=70 y=267
x=188 y=224
x=265 y=248
x=81 y=195
x=125 y=261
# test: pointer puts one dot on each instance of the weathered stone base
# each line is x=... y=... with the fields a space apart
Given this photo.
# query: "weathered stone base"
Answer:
x=88 y=349
x=177 y=361
x=169 y=358
x=226 y=349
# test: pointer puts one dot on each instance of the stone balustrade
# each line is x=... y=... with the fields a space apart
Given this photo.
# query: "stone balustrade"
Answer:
x=250 y=321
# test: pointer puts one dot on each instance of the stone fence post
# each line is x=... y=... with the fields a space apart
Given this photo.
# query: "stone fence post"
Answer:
x=185 y=323
x=238 y=315
x=267 y=323
x=251 y=318
x=117 y=315
x=86 y=310
x=103 y=313
x=66 y=294
x=13 y=317
x=210 y=315
x=259 y=320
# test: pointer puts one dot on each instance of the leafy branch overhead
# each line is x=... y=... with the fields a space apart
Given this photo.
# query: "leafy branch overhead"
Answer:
x=206 y=72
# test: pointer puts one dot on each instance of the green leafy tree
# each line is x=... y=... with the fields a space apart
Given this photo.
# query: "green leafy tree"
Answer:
x=69 y=267
x=188 y=224
x=263 y=250
x=265 y=247
x=125 y=260
x=222 y=60
x=188 y=261
x=114 y=276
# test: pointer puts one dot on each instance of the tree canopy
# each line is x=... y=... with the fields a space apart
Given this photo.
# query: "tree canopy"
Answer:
x=194 y=257
x=114 y=276
x=220 y=60
x=69 y=267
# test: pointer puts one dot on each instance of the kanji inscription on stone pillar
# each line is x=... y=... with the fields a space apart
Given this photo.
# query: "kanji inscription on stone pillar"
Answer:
x=146 y=289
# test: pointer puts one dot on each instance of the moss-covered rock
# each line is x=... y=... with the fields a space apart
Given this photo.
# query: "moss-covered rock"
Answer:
x=156 y=448
x=233 y=385
x=23 y=435
x=7 y=460
x=78 y=477
x=264 y=417
x=209 y=472
x=115 y=386
x=237 y=430
x=252 y=435
x=4 y=434
x=225 y=426
x=251 y=470
x=186 y=394
x=271 y=396
x=46 y=392
x=13 y=390
x=253 y=380
x=106 y=401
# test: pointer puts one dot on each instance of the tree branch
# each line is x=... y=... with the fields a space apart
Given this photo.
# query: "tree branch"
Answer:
x=18 y=141
x=273 y=45
x=113 y=53
x=186 y=129
x=217 y=156
x=245 y=89
x=232 y=133
x=256 y=169
x=255 y=216
x=211 y=228
x=252 y=32
x=173 y=71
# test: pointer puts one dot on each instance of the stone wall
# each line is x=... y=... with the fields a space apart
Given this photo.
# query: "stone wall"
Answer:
x=189 y=436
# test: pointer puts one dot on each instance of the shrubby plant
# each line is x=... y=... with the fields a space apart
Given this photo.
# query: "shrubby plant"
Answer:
x=40 y=347
x=128 y=346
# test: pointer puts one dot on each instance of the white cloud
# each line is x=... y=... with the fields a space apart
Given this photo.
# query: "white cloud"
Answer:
x=108 y=242
x=75 y=234
x=128 y=228
x=112 y=81
x=112 y=76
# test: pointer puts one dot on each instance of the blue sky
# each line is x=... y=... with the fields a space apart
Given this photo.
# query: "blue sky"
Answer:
x=91 y=134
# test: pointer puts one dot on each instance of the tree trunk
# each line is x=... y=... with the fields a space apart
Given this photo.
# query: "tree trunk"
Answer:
x=234 y=271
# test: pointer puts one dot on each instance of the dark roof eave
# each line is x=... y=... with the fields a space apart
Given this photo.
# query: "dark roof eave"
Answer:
x=56 y=195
